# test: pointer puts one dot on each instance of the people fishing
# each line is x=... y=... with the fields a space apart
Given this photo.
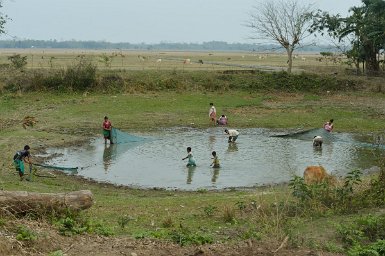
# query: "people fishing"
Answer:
x=107 y=128
x=317 y=141
x=233 y=134
x=21 y=157
x=328 y=126
x=215 y=163
x=191 y=160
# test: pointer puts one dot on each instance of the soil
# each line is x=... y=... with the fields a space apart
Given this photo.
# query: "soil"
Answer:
x=52 y=242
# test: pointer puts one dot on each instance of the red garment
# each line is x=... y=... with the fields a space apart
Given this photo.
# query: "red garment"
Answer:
x=107 y=125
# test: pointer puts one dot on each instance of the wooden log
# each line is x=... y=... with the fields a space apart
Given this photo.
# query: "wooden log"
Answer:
x=22 y=201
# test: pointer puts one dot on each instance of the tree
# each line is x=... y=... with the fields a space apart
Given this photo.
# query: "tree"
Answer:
x=3 y=20
x=365 y=28
x=284 y=22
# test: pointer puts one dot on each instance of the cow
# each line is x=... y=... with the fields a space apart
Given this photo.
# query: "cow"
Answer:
x=317 y=174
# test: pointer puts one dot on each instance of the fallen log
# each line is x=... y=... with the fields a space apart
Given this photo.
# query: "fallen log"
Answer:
x=17 y=202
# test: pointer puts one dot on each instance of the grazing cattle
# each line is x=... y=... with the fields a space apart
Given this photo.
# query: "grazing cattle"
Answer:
x=159 y=60
x=317 y=174
x=303 y=59
x=200 y=61
x=187 y=61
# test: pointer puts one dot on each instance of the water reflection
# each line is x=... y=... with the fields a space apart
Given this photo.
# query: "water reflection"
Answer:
x=215 y=175
x=233 y=147
x=190 y=173
x=109 y=155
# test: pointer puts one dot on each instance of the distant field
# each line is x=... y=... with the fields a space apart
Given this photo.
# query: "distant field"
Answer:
x=173 y=60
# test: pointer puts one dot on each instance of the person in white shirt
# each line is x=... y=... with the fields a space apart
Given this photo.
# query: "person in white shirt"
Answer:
x=233 y=134
x=213 y=114
x=317 y=141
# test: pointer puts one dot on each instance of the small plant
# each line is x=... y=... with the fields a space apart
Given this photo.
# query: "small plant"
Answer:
x=123 y=221
x=18 y=61
x=25 y=234
x=209 y=210
x=56 y=253
x=69 y=226
x=300 y=189
x=167 y=223
x=229 y=215
x=241 y=205
x=2 y=222
x=186 y=237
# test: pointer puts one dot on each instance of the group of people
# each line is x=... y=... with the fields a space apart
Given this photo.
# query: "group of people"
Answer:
x=222 y=120
x=232 y=133
x=191 y=161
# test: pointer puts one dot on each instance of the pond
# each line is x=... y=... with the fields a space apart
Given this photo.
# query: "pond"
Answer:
x=257 y=158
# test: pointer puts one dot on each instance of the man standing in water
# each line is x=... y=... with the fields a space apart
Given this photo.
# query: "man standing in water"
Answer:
x=107 y=127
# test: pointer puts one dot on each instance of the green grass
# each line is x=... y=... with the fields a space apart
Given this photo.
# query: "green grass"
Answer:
x=68 y=119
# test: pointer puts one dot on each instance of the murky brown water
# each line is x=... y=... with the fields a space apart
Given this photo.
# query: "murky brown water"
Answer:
x=256 y=159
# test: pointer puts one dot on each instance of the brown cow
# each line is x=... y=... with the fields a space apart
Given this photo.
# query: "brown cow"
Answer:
x=317 y=174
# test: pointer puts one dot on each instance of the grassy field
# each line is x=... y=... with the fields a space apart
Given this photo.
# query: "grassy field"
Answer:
x=258 y=216
x=175 y=60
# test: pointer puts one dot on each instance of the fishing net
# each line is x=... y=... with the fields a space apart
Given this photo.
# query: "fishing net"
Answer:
x=329 y=137
x=309 y=134
x=118 y=137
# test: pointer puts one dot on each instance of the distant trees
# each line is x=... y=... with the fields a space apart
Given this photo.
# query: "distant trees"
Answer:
x=284 y=22
x=364 y=28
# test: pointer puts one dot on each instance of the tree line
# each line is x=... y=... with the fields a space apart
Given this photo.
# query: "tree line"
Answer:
x=102 y=45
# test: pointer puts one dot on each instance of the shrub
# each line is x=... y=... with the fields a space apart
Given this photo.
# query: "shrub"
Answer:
x=25 y=234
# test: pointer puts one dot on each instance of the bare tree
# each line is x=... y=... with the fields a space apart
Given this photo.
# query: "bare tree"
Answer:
x=283 y=22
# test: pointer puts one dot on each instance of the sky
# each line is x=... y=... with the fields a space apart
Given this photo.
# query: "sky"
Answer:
x=139 y=21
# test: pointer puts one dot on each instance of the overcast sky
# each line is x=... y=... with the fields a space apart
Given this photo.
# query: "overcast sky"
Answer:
x=137 y=21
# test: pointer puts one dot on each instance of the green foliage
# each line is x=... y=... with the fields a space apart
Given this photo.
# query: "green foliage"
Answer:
x=18 y=61
x=56 y=253
x=340 y=199
x=364 y=236
x=69 y=226
x=300 y=189
x=74 y=224
x=183 y=237
x=123 y=221
x=25 y=234
x=80 y=77
x=106 y=60
x=241 y=205
x=210 y=210
x=84 y=76
x=326 y=54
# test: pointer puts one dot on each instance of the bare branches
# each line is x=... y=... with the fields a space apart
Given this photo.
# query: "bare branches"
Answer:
x=284 y=22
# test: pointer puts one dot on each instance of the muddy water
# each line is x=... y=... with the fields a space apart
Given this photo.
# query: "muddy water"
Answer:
x=255 y=159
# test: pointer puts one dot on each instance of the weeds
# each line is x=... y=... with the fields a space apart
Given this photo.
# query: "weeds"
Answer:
x=25 y=234
x=123 y=221
x=365 y=236
x=229 y=215
x=210 y=210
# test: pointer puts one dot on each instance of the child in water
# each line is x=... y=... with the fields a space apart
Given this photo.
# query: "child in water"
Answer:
x=191 y=160
x=215 y=163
